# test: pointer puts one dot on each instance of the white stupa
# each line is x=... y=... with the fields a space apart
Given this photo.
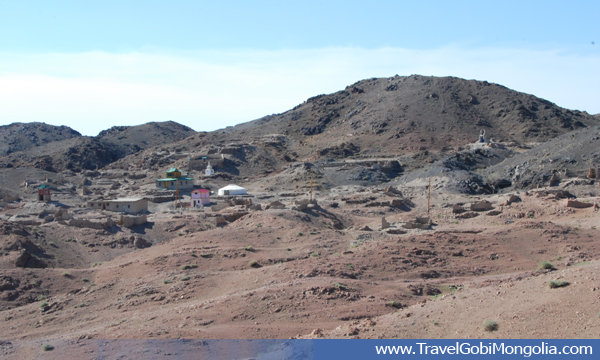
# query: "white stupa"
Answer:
x=209 y=170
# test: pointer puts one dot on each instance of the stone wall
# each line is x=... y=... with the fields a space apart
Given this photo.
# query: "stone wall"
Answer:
x=131 y=221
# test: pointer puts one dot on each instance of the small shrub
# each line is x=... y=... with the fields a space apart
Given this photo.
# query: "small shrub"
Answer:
x=546 y=266
x=193 y=254
x=79 y=306
x=184 y=278
x=180 y=234
x=93 y=284
x=340 y=286
x=490 y=325
x=189 y=266
x=66 y=274
x=253 y=263
x=52 y=243
x=300 y=234
x=85 y=280
x=259 y=225
x=41 y=297
x=313 y=233
x=314 y=255
x=5 y=253
x=47 y=347
x=249 y=248
x=278 y=238
x=394 y=304
x=206 y=255
x=553 y=284
x=167 y=281
x=351 y=266
x=97 y=263
x=44 y=304
x=288 y=249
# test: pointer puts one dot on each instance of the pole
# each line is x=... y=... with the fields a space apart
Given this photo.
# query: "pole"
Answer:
x=176 y=193
x=311 y=184
x=429 y=195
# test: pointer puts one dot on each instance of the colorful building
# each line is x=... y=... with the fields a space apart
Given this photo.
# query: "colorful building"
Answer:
x=200 y=197
x=174 y=180
x=44 y=193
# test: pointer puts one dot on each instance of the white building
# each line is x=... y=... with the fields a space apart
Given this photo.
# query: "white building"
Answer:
x=232 y=190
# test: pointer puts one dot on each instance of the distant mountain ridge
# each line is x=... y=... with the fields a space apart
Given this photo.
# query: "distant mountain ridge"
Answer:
x=57 y=148
x=23 y=136
x=421 y=119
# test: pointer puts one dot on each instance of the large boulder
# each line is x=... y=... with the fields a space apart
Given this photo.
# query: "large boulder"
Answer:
x=481 y=206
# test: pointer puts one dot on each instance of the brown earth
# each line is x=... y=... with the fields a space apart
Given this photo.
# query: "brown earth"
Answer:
x=285 y=273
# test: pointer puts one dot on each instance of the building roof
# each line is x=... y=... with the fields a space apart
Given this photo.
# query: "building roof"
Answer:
x=129 y=199
x=200 y=190
x=173 y=169
x=174 y=179
x=44 y=186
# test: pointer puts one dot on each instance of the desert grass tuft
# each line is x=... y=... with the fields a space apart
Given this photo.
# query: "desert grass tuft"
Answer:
x=544 y=265
x=553 y=284
x=490 y=325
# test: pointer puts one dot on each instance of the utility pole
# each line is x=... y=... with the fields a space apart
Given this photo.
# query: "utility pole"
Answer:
x=429 y=195
x=177 y=195
x=311 y=184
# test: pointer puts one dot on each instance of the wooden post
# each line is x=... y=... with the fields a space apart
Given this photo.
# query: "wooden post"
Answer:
x=176 y=194
x=311 y=184
x=429 y=195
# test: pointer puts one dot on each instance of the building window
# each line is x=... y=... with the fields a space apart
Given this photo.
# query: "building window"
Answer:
x=128 y=206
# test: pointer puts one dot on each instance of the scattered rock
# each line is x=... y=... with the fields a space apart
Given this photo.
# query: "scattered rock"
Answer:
x=578 y=204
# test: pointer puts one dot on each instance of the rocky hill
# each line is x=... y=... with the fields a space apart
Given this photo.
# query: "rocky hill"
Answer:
x=84 y=152
x=378 y=129
x=125 y=140
x=419 y=112
x=19 y=136
x=569 y=155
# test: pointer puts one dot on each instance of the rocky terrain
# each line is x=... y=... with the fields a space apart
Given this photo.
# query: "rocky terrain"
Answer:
x=351 y=229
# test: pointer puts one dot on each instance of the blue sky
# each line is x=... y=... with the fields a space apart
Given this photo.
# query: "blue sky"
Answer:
x=91 y=65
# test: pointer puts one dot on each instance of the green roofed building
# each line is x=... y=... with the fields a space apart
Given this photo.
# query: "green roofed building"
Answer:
x=173 y=180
